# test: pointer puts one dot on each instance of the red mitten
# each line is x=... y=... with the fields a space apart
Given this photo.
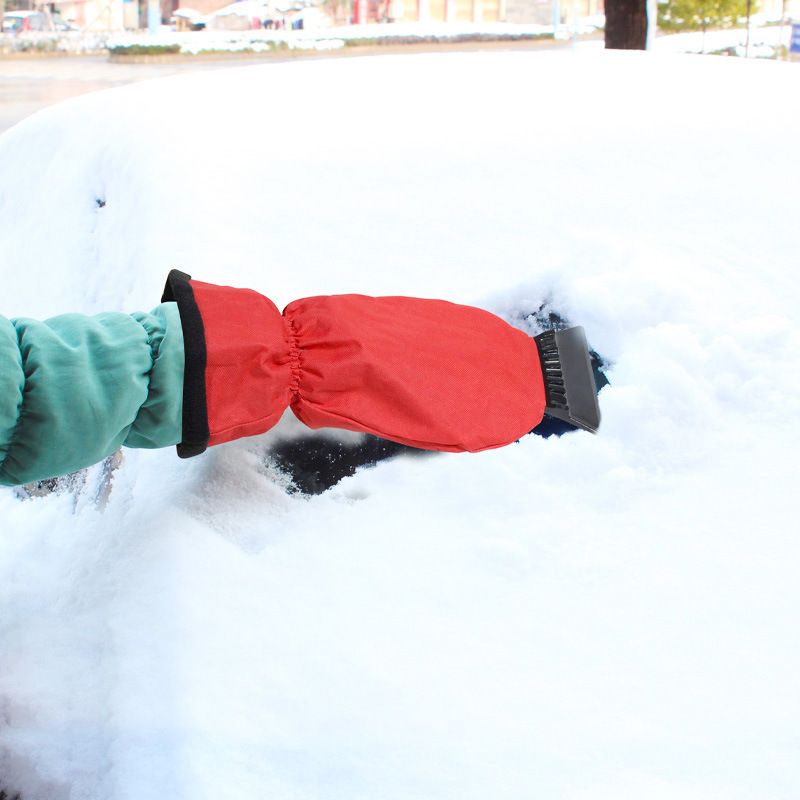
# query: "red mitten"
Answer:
x=426 y=373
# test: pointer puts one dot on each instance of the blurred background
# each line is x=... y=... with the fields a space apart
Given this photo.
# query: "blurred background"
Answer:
x=53 y=50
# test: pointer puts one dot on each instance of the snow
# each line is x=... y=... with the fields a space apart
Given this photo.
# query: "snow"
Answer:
x=255 y=8
x=585 y=617
x=764 y=41
x=187 y=13
x=320 y=35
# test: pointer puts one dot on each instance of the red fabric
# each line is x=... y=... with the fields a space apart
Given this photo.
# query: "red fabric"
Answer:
x=248 y=361
x=427 y=373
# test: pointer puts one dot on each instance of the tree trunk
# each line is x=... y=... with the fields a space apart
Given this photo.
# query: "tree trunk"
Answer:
x=626 y=24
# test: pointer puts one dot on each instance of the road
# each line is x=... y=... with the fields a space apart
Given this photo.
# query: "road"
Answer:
x=30 y=84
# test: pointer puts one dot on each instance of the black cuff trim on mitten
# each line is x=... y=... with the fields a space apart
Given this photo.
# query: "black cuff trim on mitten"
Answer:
x=195 y=411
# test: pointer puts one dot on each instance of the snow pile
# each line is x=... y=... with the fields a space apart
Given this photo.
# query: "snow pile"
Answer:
x=764 y=41
x=583 y=617
x=319 y=38
x=214 y=43
x=437 y=30
x=54 y=42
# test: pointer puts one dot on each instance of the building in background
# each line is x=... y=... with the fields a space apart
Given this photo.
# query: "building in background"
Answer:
x=99 y=15
x=515 y=11
x=118 y=15
x=89 y=15
x=427 y=10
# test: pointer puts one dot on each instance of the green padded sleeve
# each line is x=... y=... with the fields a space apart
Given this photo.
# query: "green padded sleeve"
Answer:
x=12 y=382
x=73 y=389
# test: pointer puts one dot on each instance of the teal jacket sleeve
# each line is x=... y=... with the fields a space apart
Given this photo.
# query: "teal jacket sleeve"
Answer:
x=73 y=389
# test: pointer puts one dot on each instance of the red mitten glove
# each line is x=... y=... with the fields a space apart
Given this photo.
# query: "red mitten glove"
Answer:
x=426 y=373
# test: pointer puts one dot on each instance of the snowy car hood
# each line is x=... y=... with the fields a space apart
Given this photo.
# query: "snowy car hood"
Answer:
x=582 y=617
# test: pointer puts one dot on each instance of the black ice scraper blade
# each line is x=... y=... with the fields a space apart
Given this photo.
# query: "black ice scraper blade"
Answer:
x=570 y=390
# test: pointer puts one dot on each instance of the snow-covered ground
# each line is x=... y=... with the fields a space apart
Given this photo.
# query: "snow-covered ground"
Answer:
x=585 y=617
x=333 y=37
x=764 y=41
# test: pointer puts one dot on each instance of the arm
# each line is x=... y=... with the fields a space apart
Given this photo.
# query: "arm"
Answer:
x=73 y=389
x=215 y=363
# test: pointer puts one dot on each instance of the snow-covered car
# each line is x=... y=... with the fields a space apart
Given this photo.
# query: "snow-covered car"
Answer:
x=17 y=22
x=579 y=617
x=188 y=19
x=239 y=16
